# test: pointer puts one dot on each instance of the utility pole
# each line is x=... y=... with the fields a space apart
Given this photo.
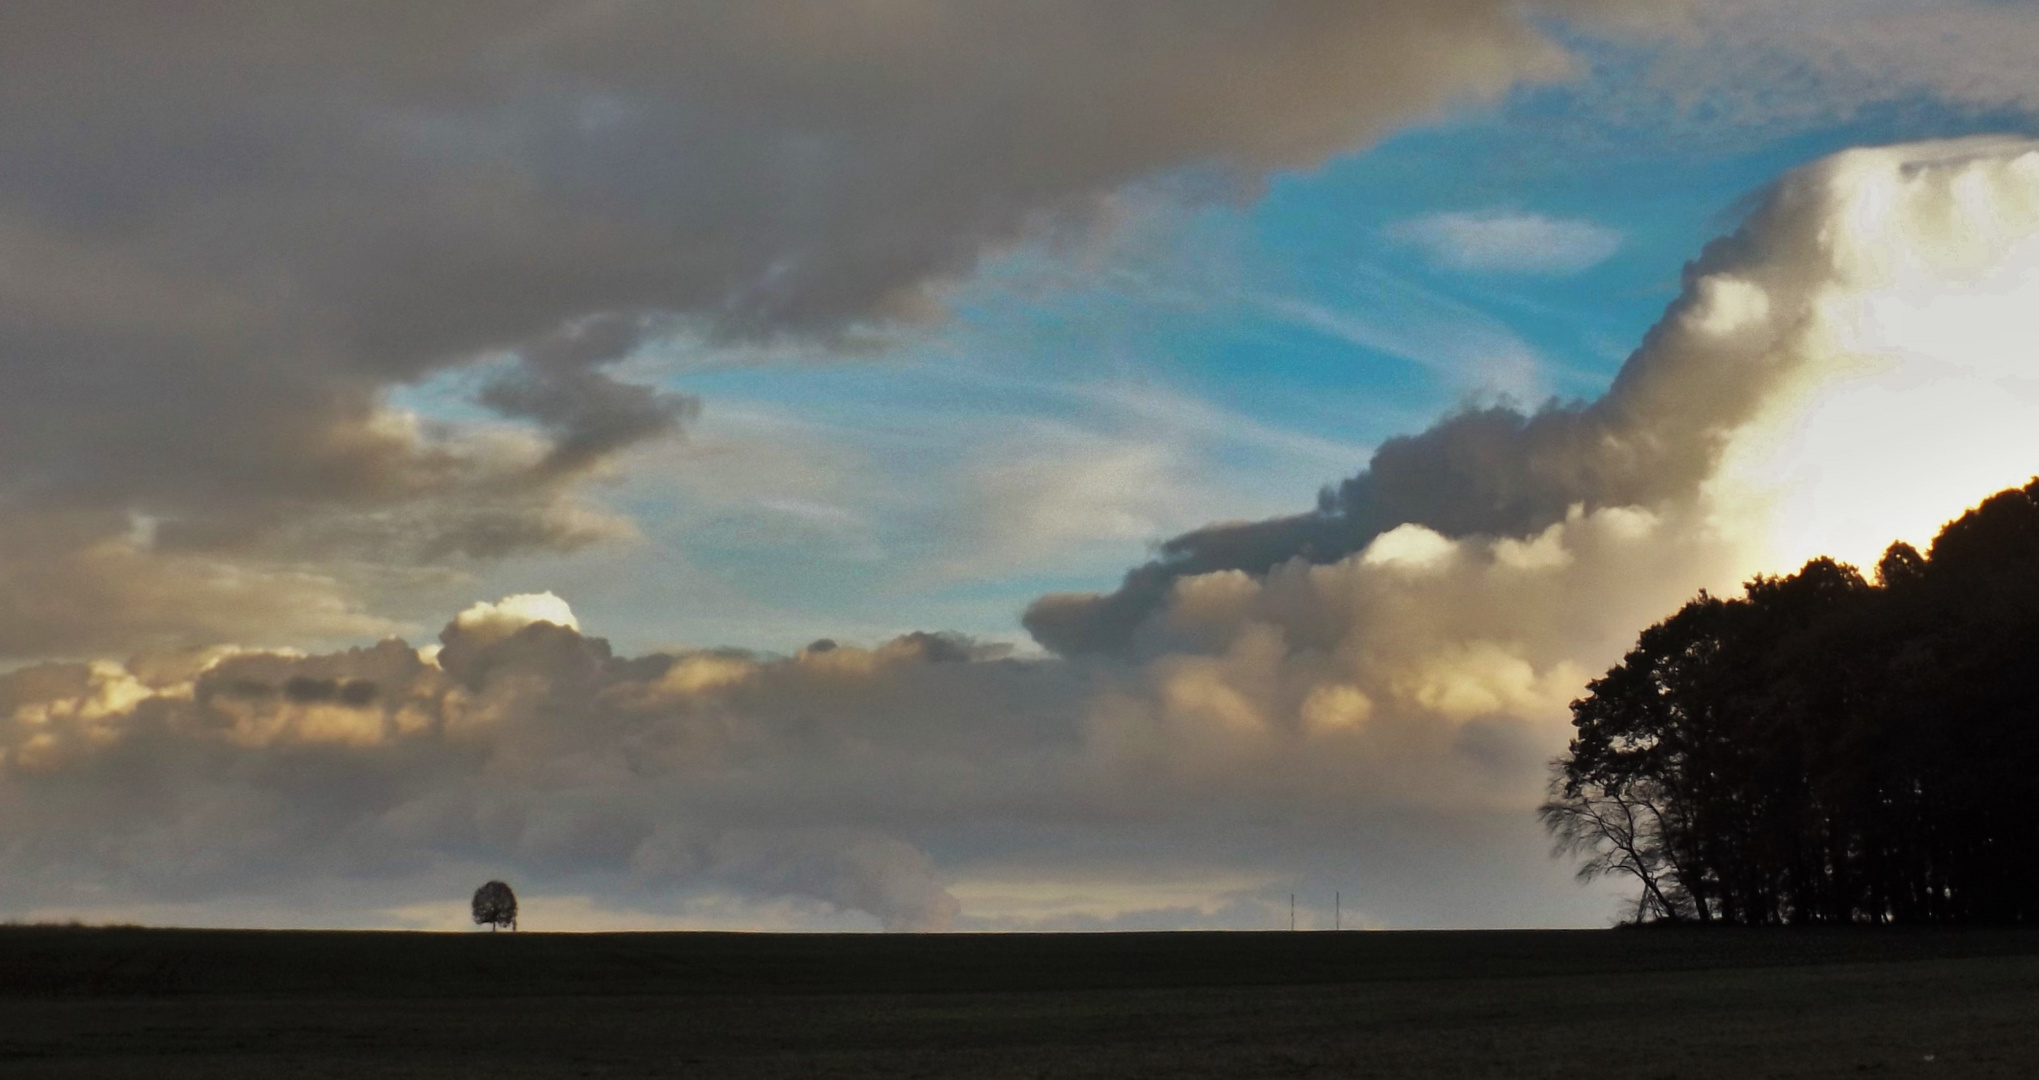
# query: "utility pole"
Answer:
x=1337 y=911
x=1292 y=912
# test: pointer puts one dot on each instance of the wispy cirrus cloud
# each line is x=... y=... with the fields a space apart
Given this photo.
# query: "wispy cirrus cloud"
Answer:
x=1477 y=353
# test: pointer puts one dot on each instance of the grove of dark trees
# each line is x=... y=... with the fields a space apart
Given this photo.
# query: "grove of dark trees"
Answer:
x=1827 y=749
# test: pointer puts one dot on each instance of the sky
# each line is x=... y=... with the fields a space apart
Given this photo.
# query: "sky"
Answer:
x=919 y=466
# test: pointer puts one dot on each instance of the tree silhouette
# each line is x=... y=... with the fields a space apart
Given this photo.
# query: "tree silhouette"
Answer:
x=1824 y=748
x=1620 y=830
x=495 y=906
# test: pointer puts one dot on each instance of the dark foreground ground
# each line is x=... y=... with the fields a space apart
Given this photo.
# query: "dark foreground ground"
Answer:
x=1589 y=1004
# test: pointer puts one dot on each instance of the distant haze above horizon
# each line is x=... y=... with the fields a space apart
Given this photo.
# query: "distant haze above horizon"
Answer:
x=911 y=465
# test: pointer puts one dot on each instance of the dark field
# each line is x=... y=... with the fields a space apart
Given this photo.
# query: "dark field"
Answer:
x=1598 y=1004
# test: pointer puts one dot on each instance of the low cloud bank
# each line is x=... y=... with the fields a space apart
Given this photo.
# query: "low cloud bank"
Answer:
x=517 y=743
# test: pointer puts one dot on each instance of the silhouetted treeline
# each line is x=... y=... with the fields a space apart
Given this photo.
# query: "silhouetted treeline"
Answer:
x=1828 y=749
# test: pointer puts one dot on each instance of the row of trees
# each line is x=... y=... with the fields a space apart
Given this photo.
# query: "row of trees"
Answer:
x=1827 y=749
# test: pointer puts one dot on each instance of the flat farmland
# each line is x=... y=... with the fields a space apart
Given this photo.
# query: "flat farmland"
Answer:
x=78 y=1003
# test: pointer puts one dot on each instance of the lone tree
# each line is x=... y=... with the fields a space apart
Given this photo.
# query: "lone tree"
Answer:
x=495 y=906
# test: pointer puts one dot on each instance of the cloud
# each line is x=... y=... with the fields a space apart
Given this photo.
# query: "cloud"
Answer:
x=232 y=231
x=1765 y=314
x=1363 y=691
x=1375 y=718
x=843 y=775
x=523 y=745
x=1728 y=76
x=1458 y=343
x=71 y=587
x=493 y=622
x=909 y=493
x=1846 y=54
x=1386 y=702
x=1379 y=718
x=1127 y=462
x=1504 y=242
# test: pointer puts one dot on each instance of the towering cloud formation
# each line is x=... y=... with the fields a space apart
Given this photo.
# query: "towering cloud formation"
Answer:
x=227 y=230
x=1369 y=699
x=1876 y=261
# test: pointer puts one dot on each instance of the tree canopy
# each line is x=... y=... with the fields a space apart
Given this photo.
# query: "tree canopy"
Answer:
x=1827 y=748
x=495 y=906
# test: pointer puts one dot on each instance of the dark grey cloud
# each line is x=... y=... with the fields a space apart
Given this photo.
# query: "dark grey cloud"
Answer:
x=228 y=229
x=589 y=415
